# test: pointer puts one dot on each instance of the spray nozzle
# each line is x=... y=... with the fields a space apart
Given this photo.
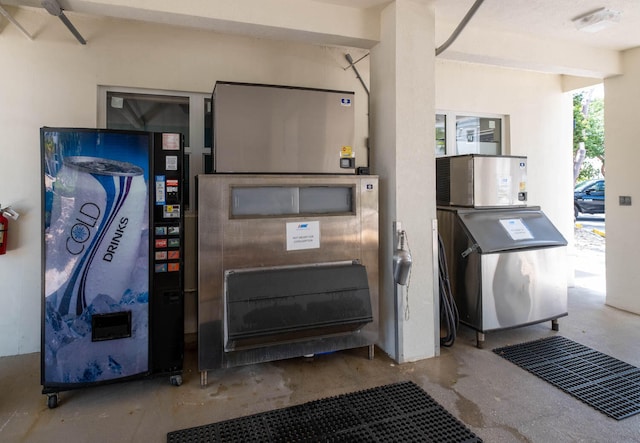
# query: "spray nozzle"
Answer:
x=402 y=260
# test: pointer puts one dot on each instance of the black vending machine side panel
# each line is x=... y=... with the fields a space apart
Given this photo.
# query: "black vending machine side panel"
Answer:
x=167 y=255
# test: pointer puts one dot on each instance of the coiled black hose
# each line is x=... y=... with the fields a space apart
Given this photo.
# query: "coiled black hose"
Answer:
x=448 y=309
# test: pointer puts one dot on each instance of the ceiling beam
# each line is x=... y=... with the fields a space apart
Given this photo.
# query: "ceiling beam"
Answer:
x=14 y=22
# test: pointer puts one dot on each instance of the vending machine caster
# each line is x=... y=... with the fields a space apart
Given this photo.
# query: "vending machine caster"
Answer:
x=52 y=401
x=176 y=380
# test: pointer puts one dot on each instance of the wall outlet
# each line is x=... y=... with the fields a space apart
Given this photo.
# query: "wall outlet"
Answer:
x=624 y=200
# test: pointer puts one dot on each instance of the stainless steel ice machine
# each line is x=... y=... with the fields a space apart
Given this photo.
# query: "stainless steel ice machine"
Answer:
x=507 y=266
x=282 y=129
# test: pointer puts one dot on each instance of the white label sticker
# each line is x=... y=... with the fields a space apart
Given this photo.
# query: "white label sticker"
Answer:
x=516 y=229
x=303 y=235
x=503 y=191
x=171 y=163
x=160 y=189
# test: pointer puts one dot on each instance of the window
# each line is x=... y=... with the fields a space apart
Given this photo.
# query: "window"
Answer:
x=147 y=112
x=472 y=134
x=478 y=135
x=269 y=201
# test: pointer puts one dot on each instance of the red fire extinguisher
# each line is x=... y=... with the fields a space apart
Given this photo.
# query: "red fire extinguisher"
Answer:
x=4 y=228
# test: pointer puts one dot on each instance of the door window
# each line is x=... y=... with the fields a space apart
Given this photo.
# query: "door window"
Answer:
x=162 y=111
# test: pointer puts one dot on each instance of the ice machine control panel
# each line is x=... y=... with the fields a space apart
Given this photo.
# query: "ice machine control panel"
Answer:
x=347 y=163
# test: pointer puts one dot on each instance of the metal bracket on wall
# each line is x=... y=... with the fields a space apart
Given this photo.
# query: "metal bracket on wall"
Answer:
x=352 y=65
x=54 y=8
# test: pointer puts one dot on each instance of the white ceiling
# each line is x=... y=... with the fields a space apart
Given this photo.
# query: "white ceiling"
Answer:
x=541 y=18
x=550 y=19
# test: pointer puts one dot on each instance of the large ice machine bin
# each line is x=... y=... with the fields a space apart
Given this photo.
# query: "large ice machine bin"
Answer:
x=507 y=266
x=287 y=266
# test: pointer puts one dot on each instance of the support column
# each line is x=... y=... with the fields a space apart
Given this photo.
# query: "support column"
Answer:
x=620 y=104
x=403 y=155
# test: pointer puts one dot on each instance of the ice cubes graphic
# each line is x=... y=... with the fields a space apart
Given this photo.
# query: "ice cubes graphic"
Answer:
x=114 y=366
x=71 y=357
x=91 y=372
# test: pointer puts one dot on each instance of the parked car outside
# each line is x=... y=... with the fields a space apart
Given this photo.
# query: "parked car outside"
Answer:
x=588 y=197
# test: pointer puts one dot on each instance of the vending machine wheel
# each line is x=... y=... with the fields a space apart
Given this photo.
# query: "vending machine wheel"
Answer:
x=52 y=400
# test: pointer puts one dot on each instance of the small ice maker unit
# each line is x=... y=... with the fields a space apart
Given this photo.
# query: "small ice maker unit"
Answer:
x=481 y=181
x=287 y=266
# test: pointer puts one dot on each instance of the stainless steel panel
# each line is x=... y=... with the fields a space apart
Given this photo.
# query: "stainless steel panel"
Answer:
x=507 y=229
x=523 y=287
x=506 y=289
x=498 y=180
x=461 y=186
x=225 y=243
x=275 y=129
x=487 y=181
x=210 y=273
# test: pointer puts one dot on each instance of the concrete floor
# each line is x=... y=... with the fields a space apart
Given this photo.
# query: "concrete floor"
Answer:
x=494 y=398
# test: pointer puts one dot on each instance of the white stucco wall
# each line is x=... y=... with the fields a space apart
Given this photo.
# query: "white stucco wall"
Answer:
x=622 y=95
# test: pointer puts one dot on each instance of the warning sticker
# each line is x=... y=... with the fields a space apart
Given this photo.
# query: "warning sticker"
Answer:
x=171 y=211
x=303 y=235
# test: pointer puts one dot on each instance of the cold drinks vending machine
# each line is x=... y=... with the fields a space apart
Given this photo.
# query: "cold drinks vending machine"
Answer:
x=112 y=277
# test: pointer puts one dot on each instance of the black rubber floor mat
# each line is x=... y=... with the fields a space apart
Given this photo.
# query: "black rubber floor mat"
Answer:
x=400 y=412
x=603 y=382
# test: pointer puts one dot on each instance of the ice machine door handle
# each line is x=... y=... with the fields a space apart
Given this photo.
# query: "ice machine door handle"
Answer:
x=469 y=250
